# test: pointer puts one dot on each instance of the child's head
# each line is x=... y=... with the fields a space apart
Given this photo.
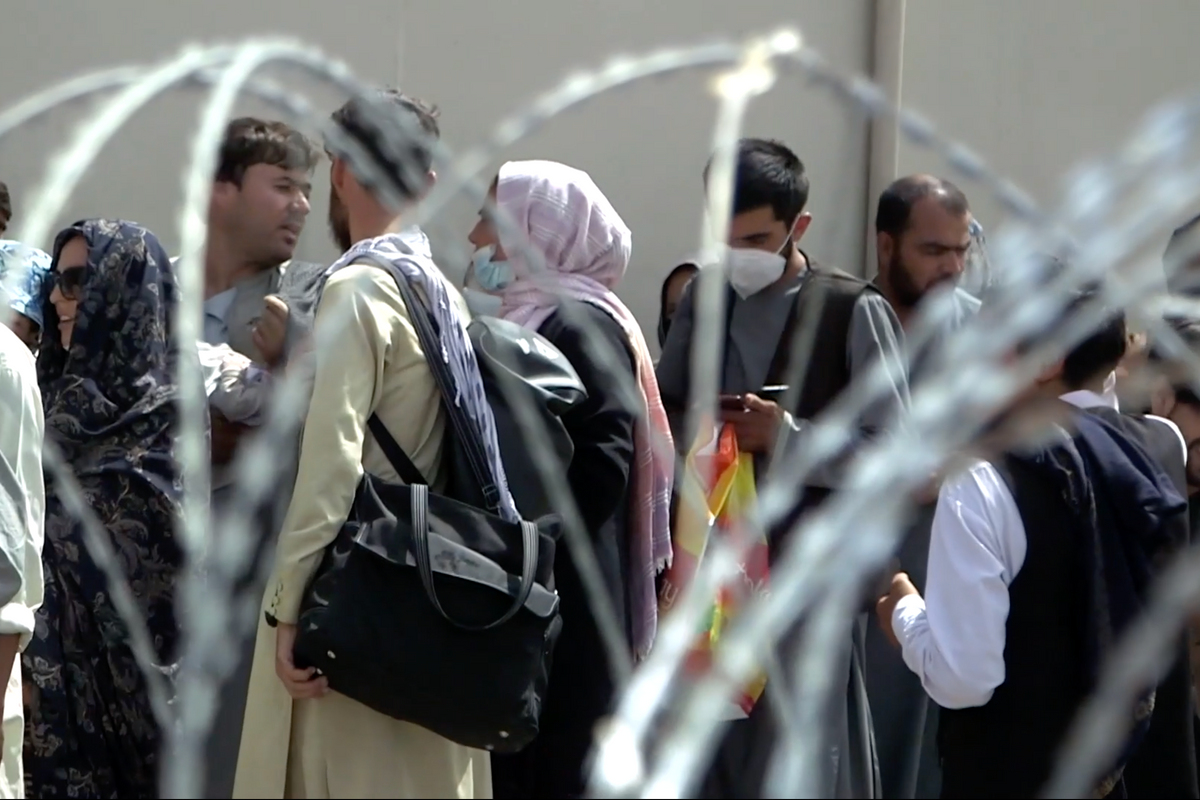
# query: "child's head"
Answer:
x=1086 y=366
x=25 y=293
x=1091 y=360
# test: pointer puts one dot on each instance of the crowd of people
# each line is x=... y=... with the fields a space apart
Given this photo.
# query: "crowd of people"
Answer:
x=1017 y=575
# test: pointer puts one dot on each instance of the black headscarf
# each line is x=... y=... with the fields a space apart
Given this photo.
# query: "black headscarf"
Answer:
x=111 y=399
x=664 y=322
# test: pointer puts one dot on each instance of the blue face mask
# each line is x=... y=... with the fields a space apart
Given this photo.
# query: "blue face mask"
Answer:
x=482 y=304
x=492 y=276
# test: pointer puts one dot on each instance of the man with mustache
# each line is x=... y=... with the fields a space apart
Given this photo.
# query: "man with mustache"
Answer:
x=259 y=204
x=923 y=233
x=260 y=201
x=923 y=229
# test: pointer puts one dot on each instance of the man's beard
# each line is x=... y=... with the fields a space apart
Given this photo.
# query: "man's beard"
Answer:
x=908 y=294
x=339 y=221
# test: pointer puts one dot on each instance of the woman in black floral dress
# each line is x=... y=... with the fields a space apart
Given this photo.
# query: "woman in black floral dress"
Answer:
x=107 y=375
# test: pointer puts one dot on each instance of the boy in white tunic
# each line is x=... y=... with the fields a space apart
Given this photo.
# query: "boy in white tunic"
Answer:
x=22 y=503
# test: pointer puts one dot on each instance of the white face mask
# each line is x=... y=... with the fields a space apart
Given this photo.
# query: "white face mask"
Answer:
x=752 y=270
x=482 y=304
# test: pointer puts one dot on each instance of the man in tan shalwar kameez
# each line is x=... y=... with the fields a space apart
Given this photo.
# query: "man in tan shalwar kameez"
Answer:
x=301 y=739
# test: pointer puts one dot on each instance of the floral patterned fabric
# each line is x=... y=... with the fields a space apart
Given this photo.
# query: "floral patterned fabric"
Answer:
x=110 y=403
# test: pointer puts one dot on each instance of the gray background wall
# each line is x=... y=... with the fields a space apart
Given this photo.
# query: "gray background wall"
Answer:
x=1035 y=87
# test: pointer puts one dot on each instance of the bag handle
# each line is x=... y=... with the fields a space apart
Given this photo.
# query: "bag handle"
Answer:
x=529 y=551
x=420 y=522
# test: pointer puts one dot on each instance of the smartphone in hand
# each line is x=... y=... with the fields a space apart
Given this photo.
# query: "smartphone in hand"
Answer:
x=773 y=393
x=732 y=402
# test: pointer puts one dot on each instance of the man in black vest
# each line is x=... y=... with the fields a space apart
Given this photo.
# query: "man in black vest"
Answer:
x=923 y=234
x=772 y=286
x=1017 y=616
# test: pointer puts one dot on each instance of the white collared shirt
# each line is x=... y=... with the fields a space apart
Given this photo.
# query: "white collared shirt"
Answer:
x=953 y=638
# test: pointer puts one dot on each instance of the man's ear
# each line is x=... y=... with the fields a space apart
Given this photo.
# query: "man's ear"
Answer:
x=430 y=182
x=337 y=174
x=222 y=192
x=885 y=248
x=802 y=223
x=1162 y=396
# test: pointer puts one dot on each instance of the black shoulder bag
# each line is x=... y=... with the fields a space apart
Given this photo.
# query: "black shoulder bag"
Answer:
x=433 y=610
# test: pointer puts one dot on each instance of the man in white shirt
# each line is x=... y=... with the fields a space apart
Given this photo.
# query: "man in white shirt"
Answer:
x=22 y=506
x=1016 y=616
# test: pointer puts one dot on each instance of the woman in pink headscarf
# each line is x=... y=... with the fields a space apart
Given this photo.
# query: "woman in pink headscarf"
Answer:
x=622 y=468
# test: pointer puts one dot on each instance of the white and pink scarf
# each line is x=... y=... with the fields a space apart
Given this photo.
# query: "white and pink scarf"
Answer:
x=586 y=247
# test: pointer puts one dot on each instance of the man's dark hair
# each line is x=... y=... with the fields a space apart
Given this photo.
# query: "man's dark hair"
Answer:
x=1096 y=355
x=5 y=205
x=249 y=141
x=897 y=201
x=768 y=174
x=397 y=131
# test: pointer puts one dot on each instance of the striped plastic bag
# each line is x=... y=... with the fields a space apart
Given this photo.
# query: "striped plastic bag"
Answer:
x=706 y=514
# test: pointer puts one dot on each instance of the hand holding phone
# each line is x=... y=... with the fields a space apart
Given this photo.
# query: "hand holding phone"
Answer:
x=773 y=393
x=732 y=402
x=755 y=420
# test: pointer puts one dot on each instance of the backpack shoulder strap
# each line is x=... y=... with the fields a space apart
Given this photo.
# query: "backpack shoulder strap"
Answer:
x=394 y=453
x=392 y=450
x=465 y=432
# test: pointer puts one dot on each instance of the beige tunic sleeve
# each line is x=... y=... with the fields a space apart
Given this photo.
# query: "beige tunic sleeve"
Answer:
x=373 y=361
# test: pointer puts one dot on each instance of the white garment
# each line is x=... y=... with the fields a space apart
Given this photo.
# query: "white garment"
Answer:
x=953 y=638
x=22 y=511
x=1110 y=389
x=235 y=385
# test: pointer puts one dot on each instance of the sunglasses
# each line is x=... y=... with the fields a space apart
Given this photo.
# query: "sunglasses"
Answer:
x=70 y=282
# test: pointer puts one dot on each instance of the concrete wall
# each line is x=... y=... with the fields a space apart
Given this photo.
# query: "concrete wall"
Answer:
x=1033 y=86
x=645 y=146
x=1038 y=87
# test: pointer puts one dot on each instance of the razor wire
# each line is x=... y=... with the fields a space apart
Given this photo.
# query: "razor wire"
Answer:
x=808 y=568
